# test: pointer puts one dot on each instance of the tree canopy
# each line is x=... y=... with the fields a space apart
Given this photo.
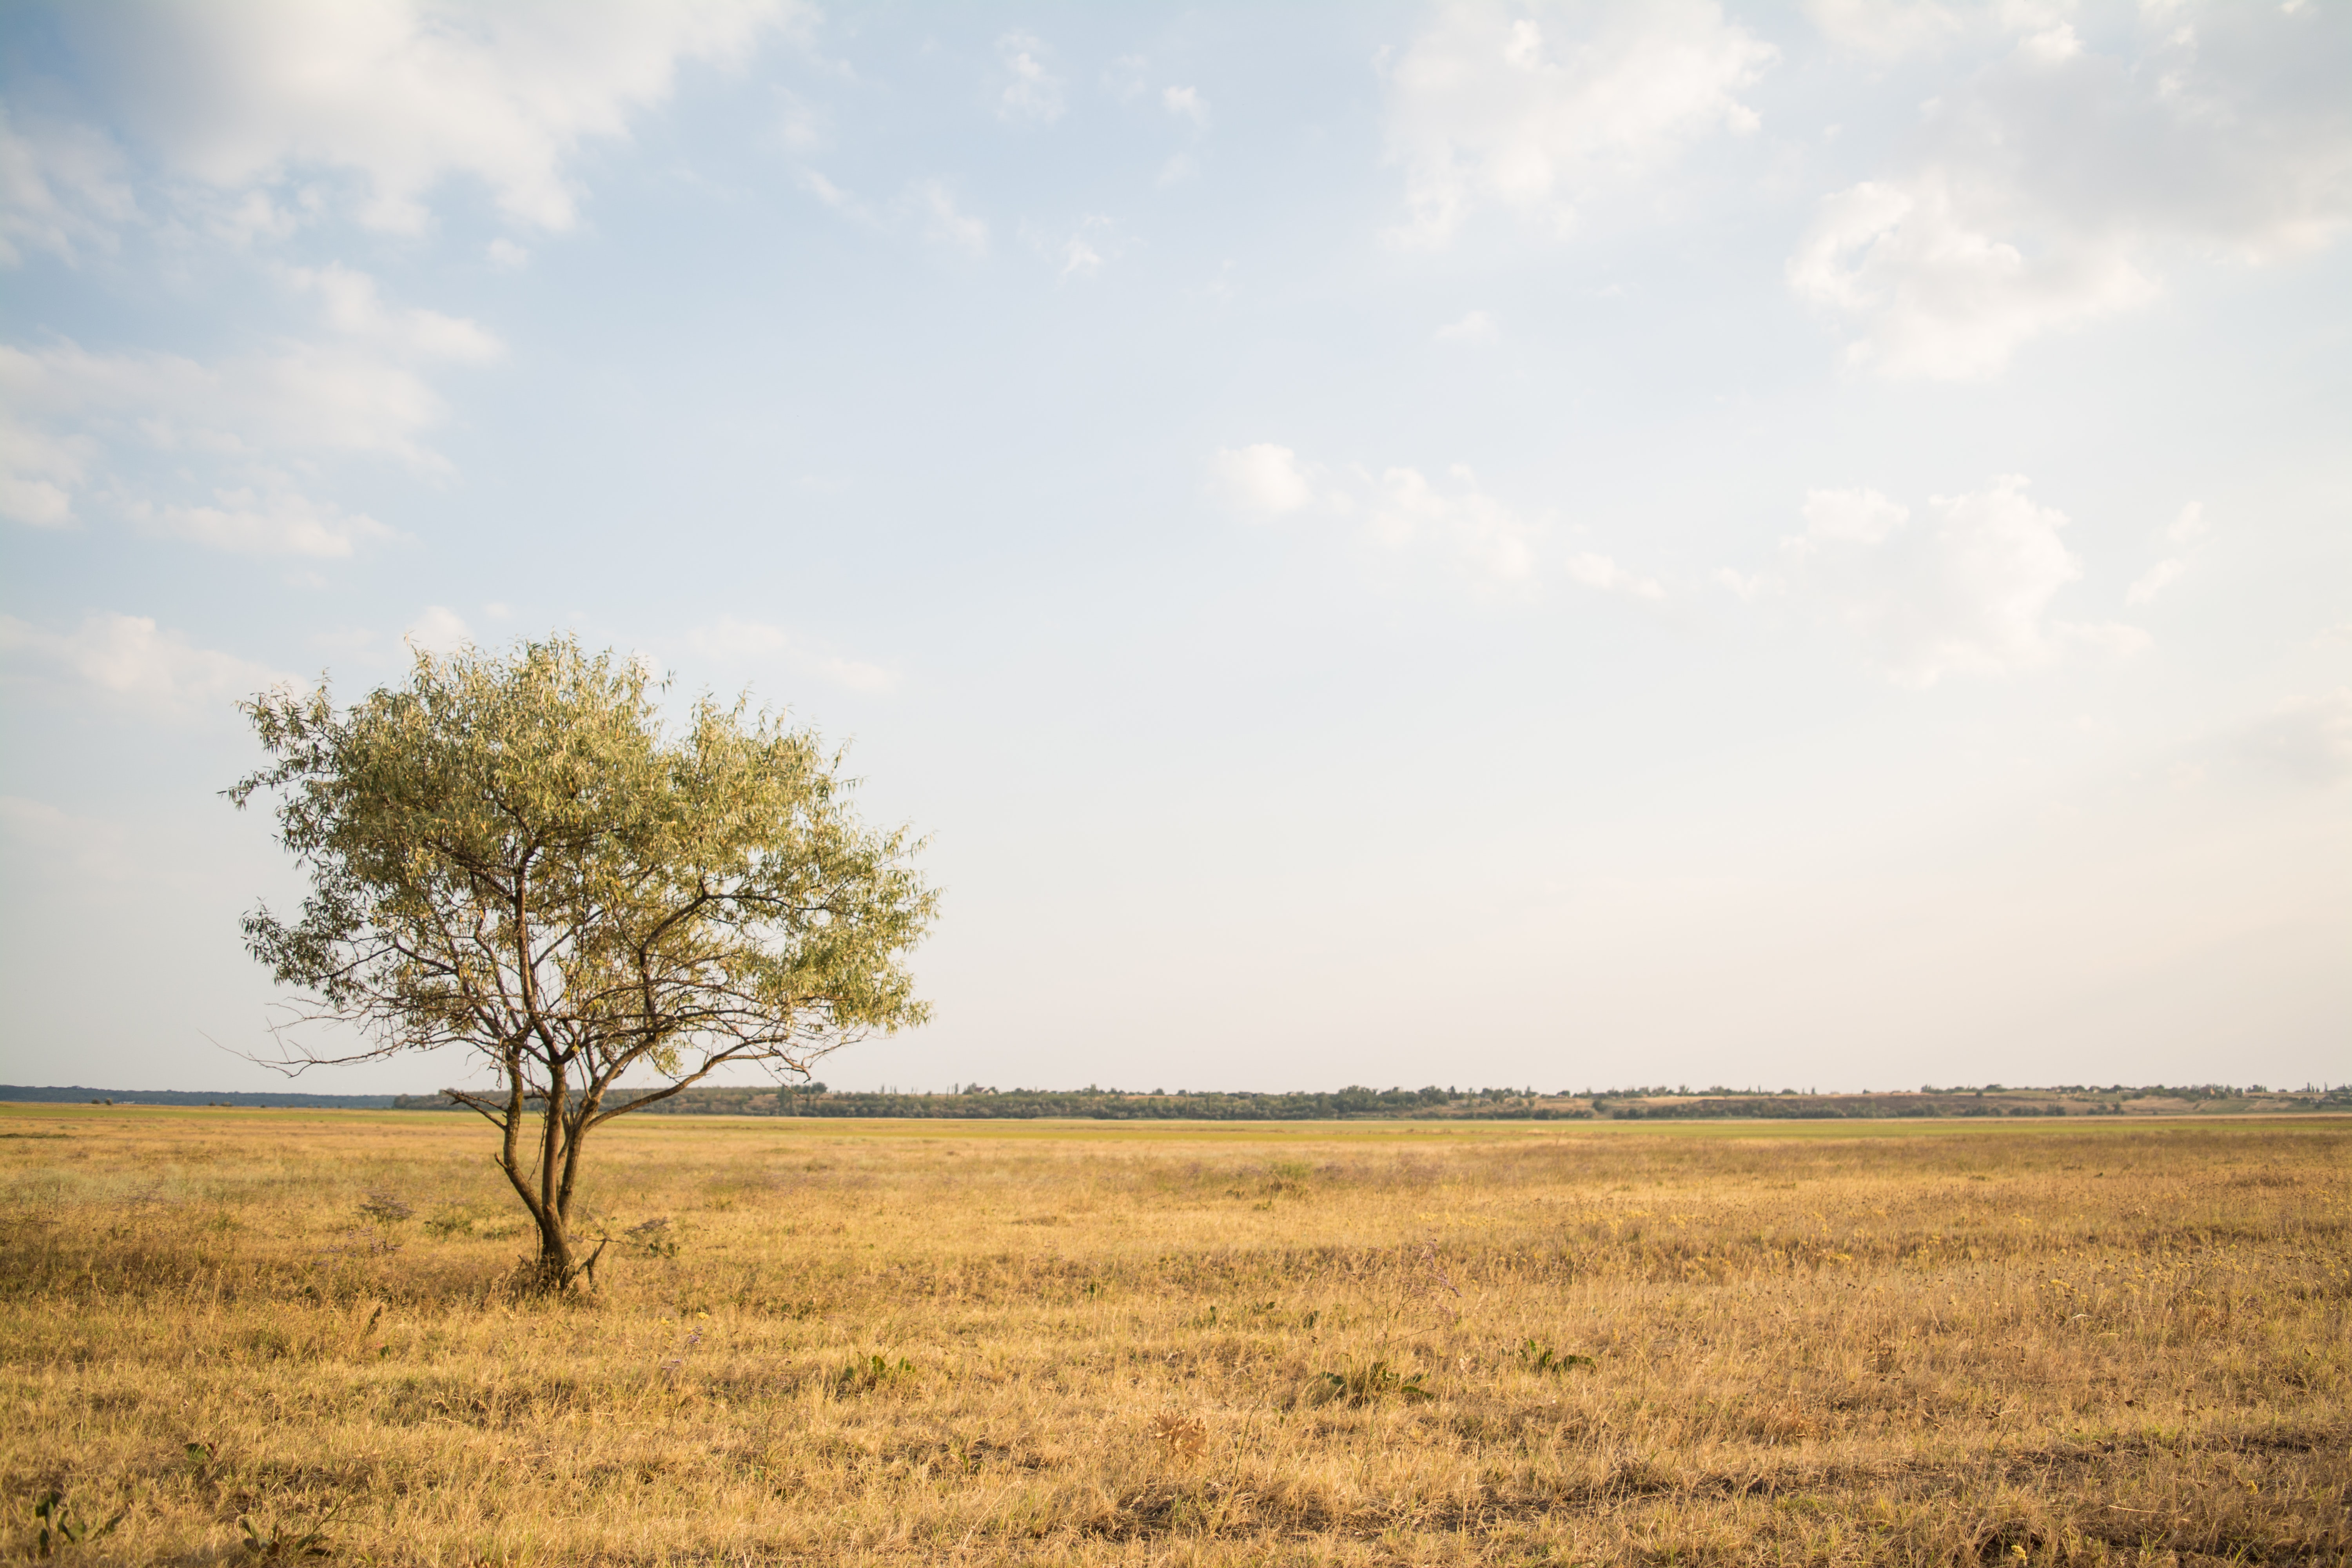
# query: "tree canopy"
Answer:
x=512 y=853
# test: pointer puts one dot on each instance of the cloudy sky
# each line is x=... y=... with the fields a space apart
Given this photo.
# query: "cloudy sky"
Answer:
x=1572 y=544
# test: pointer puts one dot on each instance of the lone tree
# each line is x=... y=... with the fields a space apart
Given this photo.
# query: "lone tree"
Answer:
x=509 y=854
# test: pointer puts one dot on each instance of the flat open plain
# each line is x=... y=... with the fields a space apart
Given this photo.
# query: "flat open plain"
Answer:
x=1197 y=1343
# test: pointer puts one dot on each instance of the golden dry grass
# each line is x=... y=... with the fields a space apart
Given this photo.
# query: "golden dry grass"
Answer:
x=1368 y=1344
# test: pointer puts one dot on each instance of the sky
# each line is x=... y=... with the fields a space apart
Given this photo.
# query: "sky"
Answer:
x=1555 y=545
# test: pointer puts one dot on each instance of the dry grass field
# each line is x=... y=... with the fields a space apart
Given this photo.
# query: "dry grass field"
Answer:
x=1076 y=1343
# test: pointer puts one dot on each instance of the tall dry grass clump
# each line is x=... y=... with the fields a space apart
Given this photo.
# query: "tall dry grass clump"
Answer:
x=257 y=1335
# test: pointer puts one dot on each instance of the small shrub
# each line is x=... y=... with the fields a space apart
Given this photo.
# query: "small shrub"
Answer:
x=867 y=1373
x=1374 y=1382
x=450 y=1223
x=287 y=1543
x=385 y=1209
x=269 y=1342
x=1543 y=1358
x=59 y=1523
x=654 y=1235
x=1179 y=1434
x=1286 y=1178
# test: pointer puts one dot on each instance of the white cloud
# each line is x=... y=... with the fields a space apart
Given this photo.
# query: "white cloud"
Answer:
x=1980 y=604
x=1474 y=528
x=1886 y=28
x=1602 y=574
x=507 y=255
x=1264 y=477
x=2051 y=46
x=278 y=521
x=1034 y=92
x=1488 y=108
x=1403 y=511
x=857 y=675
x=1970 y=596
x=323 y=397
x=1185 y=102
x=354 y=309
x=1942 y=297
x=69 y=418
x=801 y=126
x=86 y=847
x=1127 y=78
x=1477 y=327
x=34 y=501
x=2051 y=189
x=2154 y=581
x=846 y=203
x=62 y=189
x=944 y=225
x=128 y=661
x=1083 y=251
x=2309 y=738
x=400 y=96
x=437 y=629
x=2034 y=30
x=928 y=207
x=1845 y=517
x=729 y=639
x=1749 y=586
x=734 y=641
x=2185 y=531
x=39 y=469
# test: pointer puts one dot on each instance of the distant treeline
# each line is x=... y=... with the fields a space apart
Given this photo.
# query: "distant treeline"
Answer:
x=1659 y=1103
x=974 y=1102
x=1105 y=1105
x=1830 y=1106
x=1113 y=1105
x=75 y=1094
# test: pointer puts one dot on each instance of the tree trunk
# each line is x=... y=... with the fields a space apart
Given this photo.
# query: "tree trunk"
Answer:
x=561 y=1264
x=558 y=1265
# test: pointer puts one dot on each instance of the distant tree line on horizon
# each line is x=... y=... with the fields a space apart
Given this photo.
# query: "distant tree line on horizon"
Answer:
x=987 y=1103
x=976 y=1101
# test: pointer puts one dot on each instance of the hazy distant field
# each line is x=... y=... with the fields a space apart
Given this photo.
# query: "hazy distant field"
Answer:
x=973 y=1343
